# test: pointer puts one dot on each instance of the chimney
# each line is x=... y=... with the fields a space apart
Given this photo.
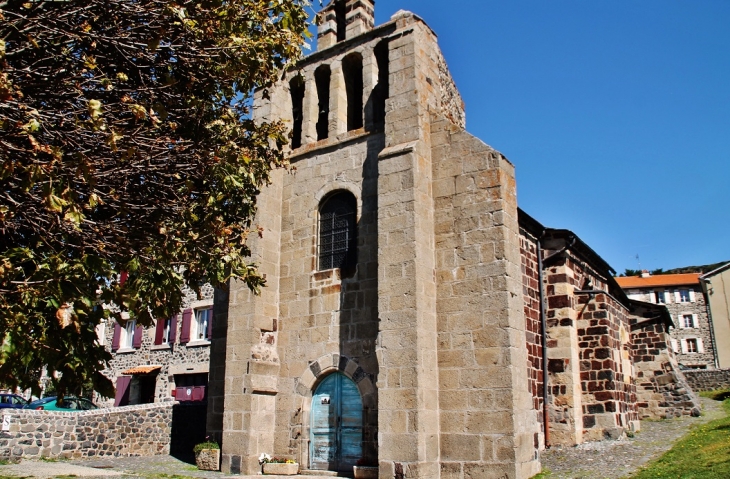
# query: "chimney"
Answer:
x=645 y=273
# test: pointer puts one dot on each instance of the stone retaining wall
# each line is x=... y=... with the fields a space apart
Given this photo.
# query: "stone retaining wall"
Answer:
x=708 y=380
x=141 y=430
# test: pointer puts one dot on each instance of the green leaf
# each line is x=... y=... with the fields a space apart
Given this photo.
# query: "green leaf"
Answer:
x=74 y=216
x=56 y=204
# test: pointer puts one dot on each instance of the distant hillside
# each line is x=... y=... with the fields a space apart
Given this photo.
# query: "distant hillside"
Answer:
x=696 y=269
x=686 y=269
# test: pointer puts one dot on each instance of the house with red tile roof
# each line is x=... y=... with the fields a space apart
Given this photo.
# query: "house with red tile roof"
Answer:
x=692 y=337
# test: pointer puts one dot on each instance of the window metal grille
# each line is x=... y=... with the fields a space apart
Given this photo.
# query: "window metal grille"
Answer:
x=337 y=232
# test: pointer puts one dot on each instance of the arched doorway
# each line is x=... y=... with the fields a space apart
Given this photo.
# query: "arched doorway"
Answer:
x=336 y=424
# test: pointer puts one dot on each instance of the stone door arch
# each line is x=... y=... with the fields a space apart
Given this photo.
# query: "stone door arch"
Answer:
x=307 y=385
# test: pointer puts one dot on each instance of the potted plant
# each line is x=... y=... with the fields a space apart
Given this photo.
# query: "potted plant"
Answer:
x=278 y=466
x=207 y=455
x=365 y=469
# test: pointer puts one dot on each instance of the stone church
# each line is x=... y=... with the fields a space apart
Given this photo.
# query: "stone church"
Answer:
x=407 y=303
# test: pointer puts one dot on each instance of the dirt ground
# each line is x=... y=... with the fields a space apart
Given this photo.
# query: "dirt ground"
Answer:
x=620 y=459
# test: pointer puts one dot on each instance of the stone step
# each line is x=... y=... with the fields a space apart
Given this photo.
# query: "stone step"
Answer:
x=312 y=473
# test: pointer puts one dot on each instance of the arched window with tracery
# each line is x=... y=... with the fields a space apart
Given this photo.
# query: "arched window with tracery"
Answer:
x=338 y=231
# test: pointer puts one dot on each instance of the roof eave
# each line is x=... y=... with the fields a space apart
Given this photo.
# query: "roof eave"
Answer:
x=715 y=271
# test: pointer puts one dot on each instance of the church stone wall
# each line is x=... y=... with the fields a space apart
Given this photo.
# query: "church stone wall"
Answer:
x=488 y=422
x=429 y=325
x=325 y=312
x=589 y=357
x=533 y=326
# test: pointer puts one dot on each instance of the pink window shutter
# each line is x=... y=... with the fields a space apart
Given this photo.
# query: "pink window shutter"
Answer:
x=173 y=329
x=117 y=336
x=159 y=331
x=138 y=335
x=121 y=398
x=185 y=333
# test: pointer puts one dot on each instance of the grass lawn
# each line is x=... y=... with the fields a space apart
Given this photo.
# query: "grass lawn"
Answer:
x=703 y=454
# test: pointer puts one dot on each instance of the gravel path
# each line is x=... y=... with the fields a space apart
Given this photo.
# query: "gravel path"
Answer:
x=618 y=459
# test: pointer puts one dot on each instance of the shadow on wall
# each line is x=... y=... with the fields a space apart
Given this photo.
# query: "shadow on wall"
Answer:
x=188 y=429
x=359 y=297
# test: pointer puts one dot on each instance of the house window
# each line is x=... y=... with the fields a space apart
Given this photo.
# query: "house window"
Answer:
x=687 y=321
x=166 y=331
x=659 y=295
x=128 y=336
x=338 y=232
x=203 y=324
x=692 y=345
x=684 y=296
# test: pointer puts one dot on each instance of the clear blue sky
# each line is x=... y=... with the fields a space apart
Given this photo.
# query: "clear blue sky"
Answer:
x=616 y=115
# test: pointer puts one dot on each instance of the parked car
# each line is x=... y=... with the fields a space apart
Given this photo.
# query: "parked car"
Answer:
x=70 y=404
x=11 y=401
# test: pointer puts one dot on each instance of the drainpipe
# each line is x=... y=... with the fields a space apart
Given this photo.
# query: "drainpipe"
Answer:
x=543 y=327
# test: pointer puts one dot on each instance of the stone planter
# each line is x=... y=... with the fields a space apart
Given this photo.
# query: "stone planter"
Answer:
x=281 y=469
x=365 y=472
x=208 y=459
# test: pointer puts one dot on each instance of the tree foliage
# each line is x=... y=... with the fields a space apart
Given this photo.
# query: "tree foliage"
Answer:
x=126 y=145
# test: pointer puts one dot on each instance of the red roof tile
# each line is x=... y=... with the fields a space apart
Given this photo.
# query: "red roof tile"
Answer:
x=630 y=282
x=142 y=370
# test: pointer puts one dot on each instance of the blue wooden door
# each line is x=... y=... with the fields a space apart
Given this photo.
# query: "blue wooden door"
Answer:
x=336 y=419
